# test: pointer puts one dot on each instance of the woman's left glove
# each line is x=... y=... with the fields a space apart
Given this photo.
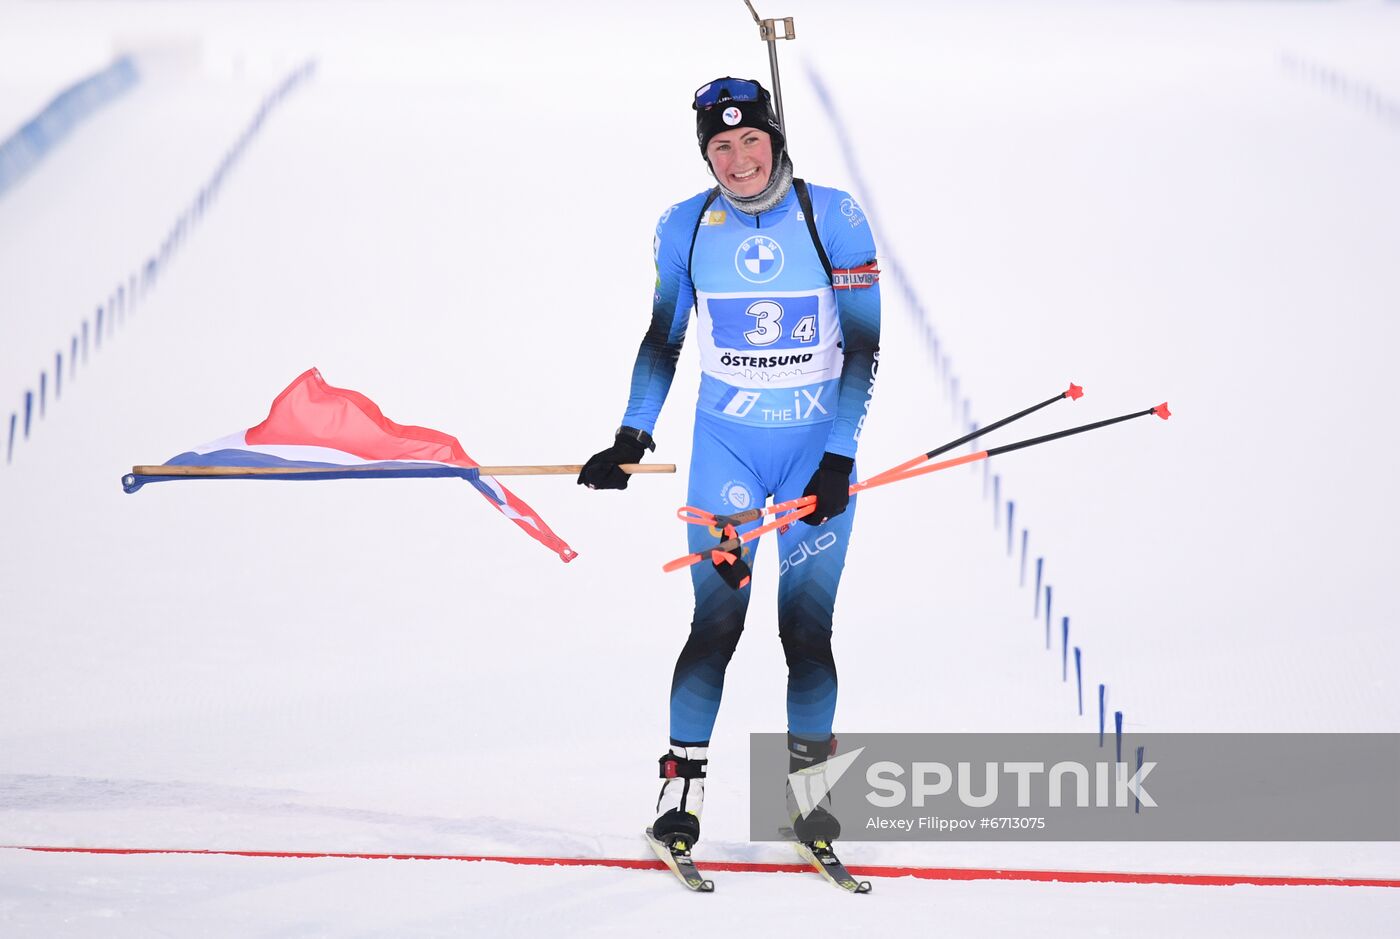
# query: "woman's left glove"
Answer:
x=831 y=484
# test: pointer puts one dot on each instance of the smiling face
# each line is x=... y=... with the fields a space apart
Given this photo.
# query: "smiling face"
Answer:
x=742 y=159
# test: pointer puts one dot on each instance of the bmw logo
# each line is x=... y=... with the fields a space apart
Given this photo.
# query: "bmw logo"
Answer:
x=759 y=259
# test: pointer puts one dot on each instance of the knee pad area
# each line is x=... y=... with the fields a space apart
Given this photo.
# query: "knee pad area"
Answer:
x=709 y=640
x=806 y=644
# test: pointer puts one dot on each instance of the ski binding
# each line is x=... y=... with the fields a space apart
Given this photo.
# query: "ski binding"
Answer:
x=820 y=855
x=676 y=856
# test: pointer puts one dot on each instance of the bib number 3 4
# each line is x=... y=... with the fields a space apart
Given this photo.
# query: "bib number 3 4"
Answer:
x=768 y=329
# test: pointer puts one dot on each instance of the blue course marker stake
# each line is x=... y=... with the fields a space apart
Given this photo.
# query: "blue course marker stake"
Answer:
x=98 y=331
x=1048 y=597
x=85 y=341
x=10 y=449
x=57 y=375
x=73 y=358
x=28 y=411
x=1039 y=569
x=1064 y=649
x=1010 y=525
x=1118 y=736
x=1101 y=713
x=1079 y=680
x=43 y=393
x=1137 y=802
x=1025 y=543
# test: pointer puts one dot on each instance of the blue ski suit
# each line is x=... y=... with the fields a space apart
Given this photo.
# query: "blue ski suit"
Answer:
x=789 y=347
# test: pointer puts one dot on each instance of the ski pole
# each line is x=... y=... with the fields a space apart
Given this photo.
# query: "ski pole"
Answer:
x=727 y=549
x=1073 y=392
x=1160 y=410
x=701 y=517
x=805 y=505
x=885 y=479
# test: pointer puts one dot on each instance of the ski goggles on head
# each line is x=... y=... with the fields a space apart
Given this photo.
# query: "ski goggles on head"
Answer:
x=727 y=89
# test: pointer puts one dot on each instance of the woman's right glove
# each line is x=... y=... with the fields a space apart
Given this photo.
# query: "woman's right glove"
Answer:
x=831 y=484
x=602 y=472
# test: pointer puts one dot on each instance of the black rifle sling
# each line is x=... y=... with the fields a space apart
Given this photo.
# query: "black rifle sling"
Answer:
x=805 y=200
x=695 y=233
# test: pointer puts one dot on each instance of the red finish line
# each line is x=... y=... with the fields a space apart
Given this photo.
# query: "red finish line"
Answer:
x=921 y=873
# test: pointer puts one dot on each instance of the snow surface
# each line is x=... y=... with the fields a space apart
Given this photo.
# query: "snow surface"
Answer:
x=1156 y=200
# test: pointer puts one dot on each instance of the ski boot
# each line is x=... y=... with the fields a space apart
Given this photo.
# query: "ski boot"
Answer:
x=812 y=821
x=682 y=796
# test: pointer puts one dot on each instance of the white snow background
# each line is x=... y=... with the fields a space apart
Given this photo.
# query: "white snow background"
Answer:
x=1190 y=202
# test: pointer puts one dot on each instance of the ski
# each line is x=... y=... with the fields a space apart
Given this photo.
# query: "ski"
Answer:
x=677 y=857
x=820 y=856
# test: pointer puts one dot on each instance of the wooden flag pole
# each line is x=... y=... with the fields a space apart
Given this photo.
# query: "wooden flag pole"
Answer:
x=557 y=469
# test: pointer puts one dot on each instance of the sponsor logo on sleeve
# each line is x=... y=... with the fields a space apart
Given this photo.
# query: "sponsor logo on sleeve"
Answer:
x=869 y=394
x=853 y=212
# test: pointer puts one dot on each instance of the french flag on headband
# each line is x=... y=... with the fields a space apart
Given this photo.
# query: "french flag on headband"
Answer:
x=315 y=431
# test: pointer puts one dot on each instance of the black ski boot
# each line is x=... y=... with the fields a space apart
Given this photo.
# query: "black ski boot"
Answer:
x=807 y=759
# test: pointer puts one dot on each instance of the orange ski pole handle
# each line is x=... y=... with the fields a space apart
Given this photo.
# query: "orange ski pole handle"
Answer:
x=730 y=545
x=802 y=507
x=701 y=517
x=694 y=516
x=689 y=513
x=738 y=574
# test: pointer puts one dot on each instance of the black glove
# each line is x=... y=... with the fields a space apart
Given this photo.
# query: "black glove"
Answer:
x=831 y=484
x=735 y=573
x=601 y=471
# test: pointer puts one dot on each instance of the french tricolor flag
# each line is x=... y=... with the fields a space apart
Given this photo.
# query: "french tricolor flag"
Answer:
x=315 y=431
